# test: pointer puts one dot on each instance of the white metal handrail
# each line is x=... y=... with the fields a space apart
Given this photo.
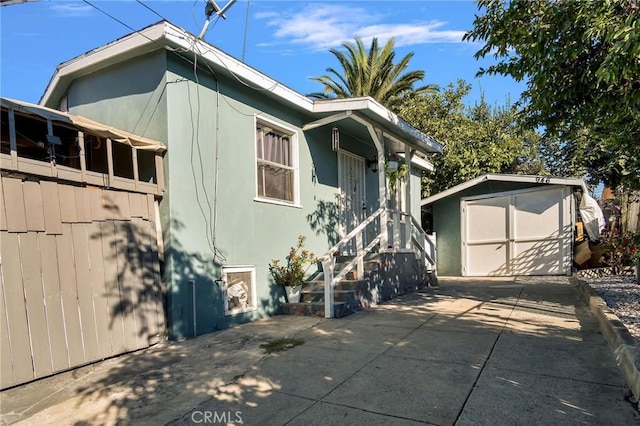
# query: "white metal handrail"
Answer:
x=329 y=259
x=430 y=256
x=423 y=243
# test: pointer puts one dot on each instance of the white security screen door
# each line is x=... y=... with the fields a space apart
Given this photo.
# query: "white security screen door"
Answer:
x=351 y=180
x=520 y=233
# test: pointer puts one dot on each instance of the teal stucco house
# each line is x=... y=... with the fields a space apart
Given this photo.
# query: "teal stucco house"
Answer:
x=251 y=165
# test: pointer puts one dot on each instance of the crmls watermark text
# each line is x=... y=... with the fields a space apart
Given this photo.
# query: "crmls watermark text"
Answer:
x=217 y=417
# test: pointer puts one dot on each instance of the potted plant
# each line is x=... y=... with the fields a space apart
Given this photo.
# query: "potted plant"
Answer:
x=291 y=275
x=395 y=171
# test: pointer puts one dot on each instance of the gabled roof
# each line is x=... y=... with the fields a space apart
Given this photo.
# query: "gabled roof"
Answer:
x=84 y=123
x=542 y=180
x=164 y=35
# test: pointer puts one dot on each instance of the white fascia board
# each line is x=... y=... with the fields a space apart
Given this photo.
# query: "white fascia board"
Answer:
x=543 y=180
x=90 y=60
x=419 y=162
x=251 y=77
x=370 y=104
x=342 y=104
x=168 y=36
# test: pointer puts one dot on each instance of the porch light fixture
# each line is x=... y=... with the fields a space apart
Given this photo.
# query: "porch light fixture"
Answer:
x=373 y=163
x=335 y=139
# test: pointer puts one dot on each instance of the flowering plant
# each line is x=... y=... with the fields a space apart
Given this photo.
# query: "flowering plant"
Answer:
x=298 y=262
x=624 y=250
x=630 y=246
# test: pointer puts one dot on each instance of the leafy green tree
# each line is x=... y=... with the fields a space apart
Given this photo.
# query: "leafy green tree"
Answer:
x=371 y=73
x=479 y=139
x=581 y=63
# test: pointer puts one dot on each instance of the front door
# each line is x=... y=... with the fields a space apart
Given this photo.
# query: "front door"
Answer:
x=351 y=179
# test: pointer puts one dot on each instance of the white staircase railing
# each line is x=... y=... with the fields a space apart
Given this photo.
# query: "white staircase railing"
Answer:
x=426 y=245
x=421 y=242
x=329 y=259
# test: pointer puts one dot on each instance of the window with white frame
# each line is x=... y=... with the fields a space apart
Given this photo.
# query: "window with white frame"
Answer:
x=276 y=163
x=239 y=289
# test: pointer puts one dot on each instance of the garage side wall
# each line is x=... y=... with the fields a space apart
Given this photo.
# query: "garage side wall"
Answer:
x=447 y=223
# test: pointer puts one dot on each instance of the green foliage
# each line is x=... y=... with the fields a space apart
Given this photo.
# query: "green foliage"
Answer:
x=623 y=250
x=298 y=262
x=371 y=73
x=395 y=175
x=581 y=63
x=478 y=140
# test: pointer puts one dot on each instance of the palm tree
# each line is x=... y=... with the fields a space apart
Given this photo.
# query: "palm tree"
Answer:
x=373 y=74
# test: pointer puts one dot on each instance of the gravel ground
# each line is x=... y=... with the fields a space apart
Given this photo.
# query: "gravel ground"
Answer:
x=622 y=295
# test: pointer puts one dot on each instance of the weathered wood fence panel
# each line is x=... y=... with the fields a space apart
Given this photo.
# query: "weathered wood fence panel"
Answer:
x=80 y=277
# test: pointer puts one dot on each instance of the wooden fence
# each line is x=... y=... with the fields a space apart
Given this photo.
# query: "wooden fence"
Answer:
x=80 y=276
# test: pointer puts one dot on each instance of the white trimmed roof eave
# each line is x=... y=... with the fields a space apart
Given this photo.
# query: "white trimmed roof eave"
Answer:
x=170 y=37
x=542 y=180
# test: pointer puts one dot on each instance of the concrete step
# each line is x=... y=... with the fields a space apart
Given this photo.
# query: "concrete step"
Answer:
x=370 y=268
x=317 y=295
x=346 y=284
x=315 y=309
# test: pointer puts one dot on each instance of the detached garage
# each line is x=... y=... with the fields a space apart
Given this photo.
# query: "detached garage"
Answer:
x=504 y=225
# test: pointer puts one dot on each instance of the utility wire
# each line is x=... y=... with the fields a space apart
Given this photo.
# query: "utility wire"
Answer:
x=215 y=251
x=153 y=11
x=136 y=31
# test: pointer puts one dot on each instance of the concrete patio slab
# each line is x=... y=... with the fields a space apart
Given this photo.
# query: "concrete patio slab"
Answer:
x=247 y=402
x=466 y=322
x=434 y=345
x=426 y=357
x=366 y=337
x=309 y=371
x=325 y=414
x=504 y=397
x=569 y=323
x=390 y=318
x=426 y=391
x=556 y=357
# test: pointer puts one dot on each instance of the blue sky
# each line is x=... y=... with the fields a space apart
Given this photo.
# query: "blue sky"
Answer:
x=287 y=40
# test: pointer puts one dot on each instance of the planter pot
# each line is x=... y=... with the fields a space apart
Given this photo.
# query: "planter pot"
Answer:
x=293 y=293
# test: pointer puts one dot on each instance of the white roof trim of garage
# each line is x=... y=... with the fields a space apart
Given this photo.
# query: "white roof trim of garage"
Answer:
x=542 y=180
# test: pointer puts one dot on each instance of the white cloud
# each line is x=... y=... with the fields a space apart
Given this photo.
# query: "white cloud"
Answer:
x=71 y=9
x=320 y=27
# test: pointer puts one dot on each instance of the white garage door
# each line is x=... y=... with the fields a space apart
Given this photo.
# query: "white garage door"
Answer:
x=517 y=233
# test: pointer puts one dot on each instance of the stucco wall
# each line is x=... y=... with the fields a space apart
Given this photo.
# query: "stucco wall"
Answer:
x=210 y=218
x=447 y=223
x=129 y=96
x=211 y=136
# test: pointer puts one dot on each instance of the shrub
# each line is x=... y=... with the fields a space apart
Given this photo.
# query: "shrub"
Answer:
x=298 y=262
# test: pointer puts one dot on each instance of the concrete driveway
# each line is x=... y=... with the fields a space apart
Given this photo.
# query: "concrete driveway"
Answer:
x=473 y=352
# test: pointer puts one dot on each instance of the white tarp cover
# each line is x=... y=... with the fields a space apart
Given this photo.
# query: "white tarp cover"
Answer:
x=592 y=216
x=84 y=123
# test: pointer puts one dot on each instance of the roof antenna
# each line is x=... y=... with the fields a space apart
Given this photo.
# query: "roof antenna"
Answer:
x=212 y=8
